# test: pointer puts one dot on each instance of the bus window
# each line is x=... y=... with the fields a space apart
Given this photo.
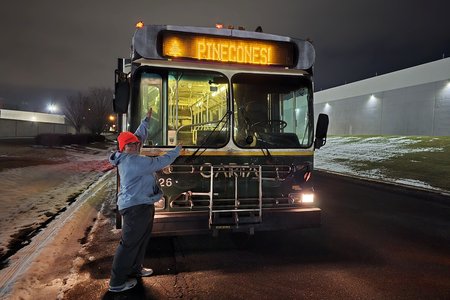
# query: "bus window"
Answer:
x=197 y=108
x=272 y=111
x=150 y=97
x=296 y=114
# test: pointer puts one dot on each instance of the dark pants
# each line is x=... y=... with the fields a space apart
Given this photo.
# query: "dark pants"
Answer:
x=137 y=223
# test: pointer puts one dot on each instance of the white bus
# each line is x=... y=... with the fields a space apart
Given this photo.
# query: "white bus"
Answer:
x=241 y=103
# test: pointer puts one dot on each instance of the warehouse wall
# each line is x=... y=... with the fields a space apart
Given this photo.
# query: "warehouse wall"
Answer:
x=22 y=129
x=416 y=107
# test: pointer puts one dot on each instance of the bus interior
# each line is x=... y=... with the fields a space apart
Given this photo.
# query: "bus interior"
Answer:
x=192 y=107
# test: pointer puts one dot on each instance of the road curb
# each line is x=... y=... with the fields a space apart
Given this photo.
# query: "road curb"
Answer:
x=10 y=274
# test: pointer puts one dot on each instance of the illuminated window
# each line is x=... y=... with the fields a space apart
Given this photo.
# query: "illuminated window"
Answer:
x=197 y=106
x=150 y=97
x=271 y=111
x=189 y=107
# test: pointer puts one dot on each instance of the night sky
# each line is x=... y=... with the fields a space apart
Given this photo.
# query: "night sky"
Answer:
x=53 y=48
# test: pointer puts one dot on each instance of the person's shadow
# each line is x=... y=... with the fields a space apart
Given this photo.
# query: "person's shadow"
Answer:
x=138 y=292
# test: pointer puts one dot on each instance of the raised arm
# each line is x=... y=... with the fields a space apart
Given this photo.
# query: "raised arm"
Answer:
x=142 y=131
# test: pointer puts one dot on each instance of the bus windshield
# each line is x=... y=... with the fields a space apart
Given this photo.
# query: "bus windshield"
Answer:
x=272 y=111
x=189 y=107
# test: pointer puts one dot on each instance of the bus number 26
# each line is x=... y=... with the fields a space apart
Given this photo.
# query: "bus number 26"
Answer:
x=165 y=181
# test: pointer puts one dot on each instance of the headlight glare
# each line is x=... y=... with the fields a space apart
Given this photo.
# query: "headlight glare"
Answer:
x=308 y=198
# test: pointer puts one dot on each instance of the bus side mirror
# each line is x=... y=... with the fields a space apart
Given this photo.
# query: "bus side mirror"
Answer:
x=321 y=131
x=121 y=93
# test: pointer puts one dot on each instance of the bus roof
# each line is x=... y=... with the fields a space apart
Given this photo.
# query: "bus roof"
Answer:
x=287 y=52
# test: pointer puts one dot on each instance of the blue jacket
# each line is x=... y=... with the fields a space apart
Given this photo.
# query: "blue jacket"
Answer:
x=137 y=175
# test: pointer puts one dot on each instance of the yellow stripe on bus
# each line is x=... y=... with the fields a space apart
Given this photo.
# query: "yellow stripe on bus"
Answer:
x=251 y=153
x=186 y=152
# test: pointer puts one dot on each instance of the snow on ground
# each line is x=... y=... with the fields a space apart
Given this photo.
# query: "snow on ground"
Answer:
x=341 y=154
x=44 y=183
x=37 y=183
x=35 y=189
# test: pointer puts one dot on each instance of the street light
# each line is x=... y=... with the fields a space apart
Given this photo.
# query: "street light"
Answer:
x=112 y=126
x=52 y=108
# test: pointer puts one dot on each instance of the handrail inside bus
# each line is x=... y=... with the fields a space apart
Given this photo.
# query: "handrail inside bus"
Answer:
x=193 y=155
x=198 y=124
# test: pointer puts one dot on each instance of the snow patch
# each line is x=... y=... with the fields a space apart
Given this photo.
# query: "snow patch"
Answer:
x=344 y=154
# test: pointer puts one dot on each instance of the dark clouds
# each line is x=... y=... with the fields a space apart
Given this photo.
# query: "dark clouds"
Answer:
x=73 y=45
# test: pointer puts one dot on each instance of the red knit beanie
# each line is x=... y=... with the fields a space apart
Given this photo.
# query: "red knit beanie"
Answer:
x=125 y=138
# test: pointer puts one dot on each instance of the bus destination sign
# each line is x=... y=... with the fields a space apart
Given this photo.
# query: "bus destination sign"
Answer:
x=227 y=49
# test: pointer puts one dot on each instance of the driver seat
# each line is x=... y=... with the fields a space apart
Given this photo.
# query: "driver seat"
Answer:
x=254 y=112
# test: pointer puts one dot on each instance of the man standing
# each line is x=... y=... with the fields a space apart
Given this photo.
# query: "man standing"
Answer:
x=138 y=193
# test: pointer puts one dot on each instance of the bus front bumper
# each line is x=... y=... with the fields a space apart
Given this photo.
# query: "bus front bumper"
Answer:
x=186 y=223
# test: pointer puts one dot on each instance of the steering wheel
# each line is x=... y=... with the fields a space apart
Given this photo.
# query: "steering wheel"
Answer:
x=275 y=124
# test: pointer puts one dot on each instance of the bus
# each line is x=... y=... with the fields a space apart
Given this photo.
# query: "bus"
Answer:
x=241 y=104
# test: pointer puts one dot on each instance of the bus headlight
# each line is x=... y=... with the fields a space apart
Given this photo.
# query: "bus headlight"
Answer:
x=303 y=198
x=308 y=198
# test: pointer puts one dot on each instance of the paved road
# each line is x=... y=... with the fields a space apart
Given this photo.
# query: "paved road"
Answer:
x=375 y=243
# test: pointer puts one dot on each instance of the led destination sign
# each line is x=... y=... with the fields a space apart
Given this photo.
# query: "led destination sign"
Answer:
x=227 y=49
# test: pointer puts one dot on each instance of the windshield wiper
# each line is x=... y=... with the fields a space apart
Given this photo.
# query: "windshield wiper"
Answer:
x=202 y=145
x=264 y=147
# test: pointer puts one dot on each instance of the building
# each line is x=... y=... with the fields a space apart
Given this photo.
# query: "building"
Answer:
x=413 y=101
x=24 y=124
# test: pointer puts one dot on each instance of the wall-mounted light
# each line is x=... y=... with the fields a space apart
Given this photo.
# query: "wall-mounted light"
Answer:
x=372 y=100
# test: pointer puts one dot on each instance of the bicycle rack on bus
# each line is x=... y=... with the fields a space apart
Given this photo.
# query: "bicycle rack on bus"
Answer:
x=228 y=214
